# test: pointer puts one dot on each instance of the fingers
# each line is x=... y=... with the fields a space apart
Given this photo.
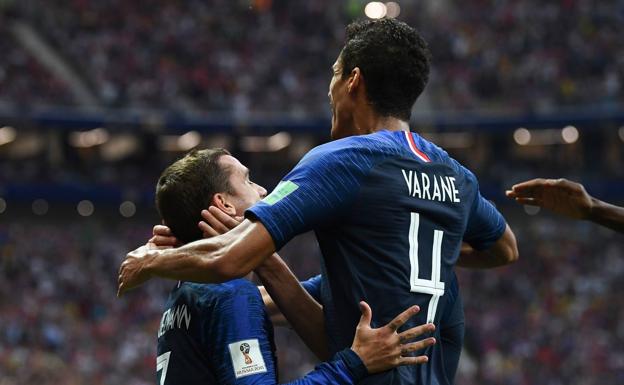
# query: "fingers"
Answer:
x=163 y=240
x=528 y=185
x=367 y=315
x=416 y=331
x=223 y=217
x=529 y=201
x=402 y=318
x=418 y=345
x=413 y=360
x=207 y=230
x=162 y=230
x=214 y=222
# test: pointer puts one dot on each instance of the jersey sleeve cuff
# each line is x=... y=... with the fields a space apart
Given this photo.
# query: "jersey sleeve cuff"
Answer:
x=353 y=362
x=260 y=213
x=491 y=239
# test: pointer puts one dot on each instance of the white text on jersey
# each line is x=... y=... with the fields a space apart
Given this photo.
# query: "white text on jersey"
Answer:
x=173 y=318
x=433 y=188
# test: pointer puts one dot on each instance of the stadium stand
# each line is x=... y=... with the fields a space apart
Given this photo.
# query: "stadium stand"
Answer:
x=553 y=318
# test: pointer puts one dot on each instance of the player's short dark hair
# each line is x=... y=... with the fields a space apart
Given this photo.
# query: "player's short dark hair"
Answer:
x=394 y=60
x=186 y=187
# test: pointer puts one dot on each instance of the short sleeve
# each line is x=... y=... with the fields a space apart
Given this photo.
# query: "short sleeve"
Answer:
x=235 y=332
x=313 y=287
x=485 y=224
x=318 y=190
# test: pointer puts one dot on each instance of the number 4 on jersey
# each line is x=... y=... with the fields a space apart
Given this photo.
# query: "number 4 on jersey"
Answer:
x=432 y=286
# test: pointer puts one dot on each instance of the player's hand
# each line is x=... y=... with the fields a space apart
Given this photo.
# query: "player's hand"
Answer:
x=559 y=195
x=133 y=272
x=217 y=221
x=383 y=348
x=163 y=237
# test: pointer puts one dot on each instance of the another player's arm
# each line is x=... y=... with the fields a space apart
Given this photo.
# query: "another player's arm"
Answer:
x=489 y=241
x=569 y=199
x=312 y=286
x=372 y=351
x=303 y=313
x=503 y=252
x=218 y=259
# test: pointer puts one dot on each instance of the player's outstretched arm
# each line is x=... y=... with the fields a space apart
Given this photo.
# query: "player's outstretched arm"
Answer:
x=503 y=252
x=218 y=259
x=385 y=348
x=569 y=199
x=303 y=313
x=373 y=351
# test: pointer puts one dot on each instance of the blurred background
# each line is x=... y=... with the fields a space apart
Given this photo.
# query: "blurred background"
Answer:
x=97 y=97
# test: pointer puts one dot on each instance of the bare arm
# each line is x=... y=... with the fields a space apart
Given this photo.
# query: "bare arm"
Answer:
x=608 y=215
x=503 y=252
x=277 y=318
x=217 y=259
x=569 y=199
x=303 y=313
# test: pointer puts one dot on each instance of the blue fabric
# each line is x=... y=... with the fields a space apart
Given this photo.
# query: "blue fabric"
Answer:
x=381 y=213
x=313 y=287
x=202 y=320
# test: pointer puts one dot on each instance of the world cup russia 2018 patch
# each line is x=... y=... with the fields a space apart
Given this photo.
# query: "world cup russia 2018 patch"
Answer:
x=247 y=358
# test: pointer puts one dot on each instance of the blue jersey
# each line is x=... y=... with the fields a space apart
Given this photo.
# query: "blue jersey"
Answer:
x=451 y=333
x=221 y=334
x=390 y=211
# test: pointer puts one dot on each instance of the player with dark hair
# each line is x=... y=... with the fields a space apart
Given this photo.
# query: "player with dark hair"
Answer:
x=221 y=333
x=390 y=209
x=569 y=199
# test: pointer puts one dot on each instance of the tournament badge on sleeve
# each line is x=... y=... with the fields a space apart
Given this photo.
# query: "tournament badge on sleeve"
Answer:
x=247 y=358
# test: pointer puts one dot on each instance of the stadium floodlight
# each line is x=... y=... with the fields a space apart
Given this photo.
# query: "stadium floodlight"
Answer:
x=7 y=135
x=569 y=134
x=531 y=210
x=87 y=139
x=189 y=140
x=40 y=207
x=279 y=141
x=375 y=10
x=85 y=208
x=392 y=9
x=522 y=136
x=127 y=209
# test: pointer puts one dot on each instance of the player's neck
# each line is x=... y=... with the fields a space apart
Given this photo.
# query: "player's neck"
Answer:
x=371 y=122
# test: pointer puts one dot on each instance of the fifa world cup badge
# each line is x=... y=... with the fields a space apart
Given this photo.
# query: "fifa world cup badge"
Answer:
x=244 y=348
x=247 y=357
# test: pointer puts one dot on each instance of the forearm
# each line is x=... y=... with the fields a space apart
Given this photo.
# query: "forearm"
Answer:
x=303 y=313
x=475 y=259
x=608 y=215
x=196 y=262
x=503 y=252
x=277 y=318
x=217 y=259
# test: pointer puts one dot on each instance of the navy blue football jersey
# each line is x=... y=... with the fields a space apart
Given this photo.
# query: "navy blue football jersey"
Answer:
x=221 y=334
x=390 y=211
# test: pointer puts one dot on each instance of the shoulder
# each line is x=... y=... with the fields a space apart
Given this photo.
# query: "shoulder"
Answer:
x=218 y=293
x=360 y=150
x=438 y=155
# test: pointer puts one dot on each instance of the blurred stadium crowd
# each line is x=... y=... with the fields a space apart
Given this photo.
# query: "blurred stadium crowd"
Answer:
x=553 y=318
x=244 y=57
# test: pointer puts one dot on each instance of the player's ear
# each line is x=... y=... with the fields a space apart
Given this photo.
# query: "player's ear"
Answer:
x=354 y=79
x=224 y=203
